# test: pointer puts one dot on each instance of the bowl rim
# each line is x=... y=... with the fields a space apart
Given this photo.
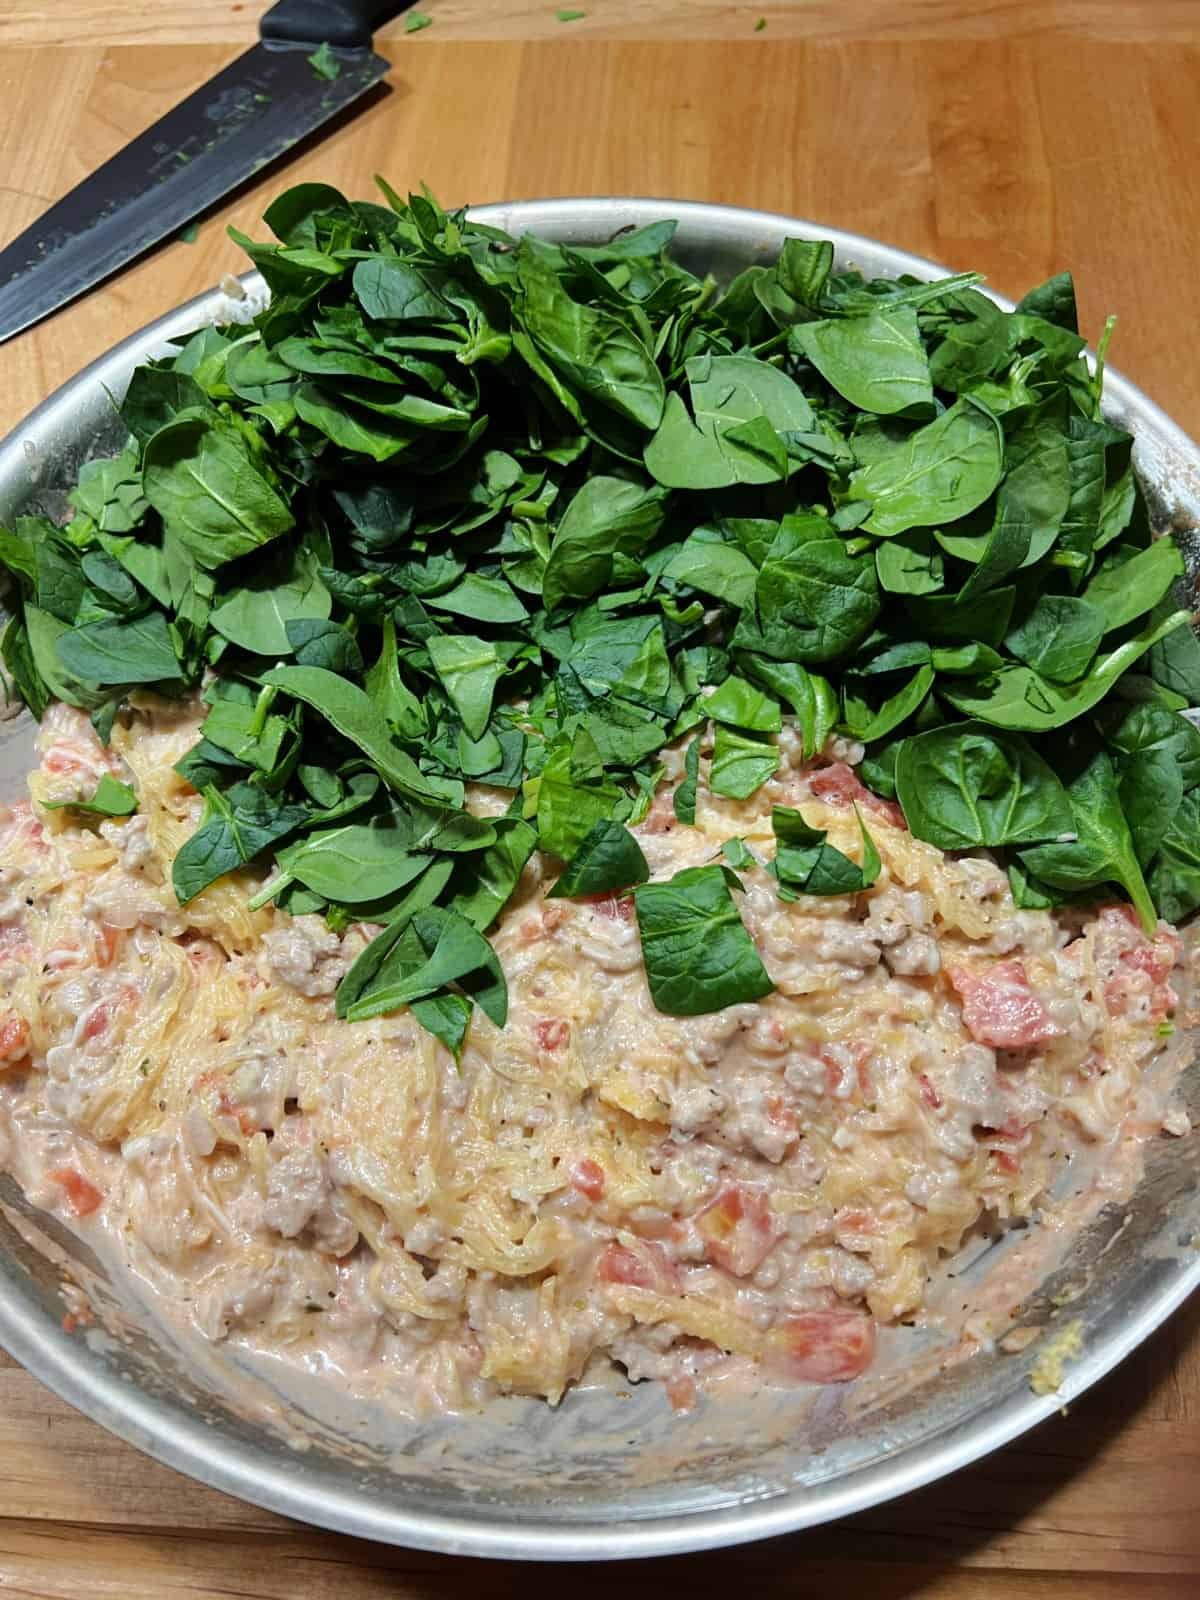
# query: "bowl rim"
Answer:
x=189 y=1444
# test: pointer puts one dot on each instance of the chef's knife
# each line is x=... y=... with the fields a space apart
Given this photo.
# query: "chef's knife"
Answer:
x=241 y=120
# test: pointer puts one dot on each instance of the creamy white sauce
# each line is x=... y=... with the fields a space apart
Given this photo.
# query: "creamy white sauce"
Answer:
x=700 y=1200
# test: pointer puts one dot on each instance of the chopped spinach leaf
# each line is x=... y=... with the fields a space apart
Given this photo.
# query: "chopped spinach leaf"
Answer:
x=608 y=858
x=740 y=764
x=458 y=509
x=698 y=955
x=110 y=798
x=1102 y=849
x=684 y=799
x=806 y=863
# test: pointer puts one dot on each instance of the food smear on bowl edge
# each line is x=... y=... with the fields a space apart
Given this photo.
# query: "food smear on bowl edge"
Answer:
x=586 y=817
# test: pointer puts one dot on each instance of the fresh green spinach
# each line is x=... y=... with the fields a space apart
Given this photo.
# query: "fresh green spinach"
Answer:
x=110 y=798
x=1102 y=849
x=877 y=362
x=935 y=475
x=806 y=863
x=209 y=493
x=458 y=509
x=608 y=858
x=967 y=786
x=698 y=955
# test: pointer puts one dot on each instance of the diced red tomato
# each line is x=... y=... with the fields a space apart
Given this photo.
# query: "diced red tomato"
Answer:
x=1012 y=1133
x=588 y=1177
x=551 y=1033
x=1142 y=969
x=20 y=829
x=839 y=785
x=62 y=759
x=661 y=816
x=770 y=1036
x=82 y=1197
x=682 y=1393
x=14 y=942
x=229 y=1108
x=554 y=914
x=647 y=1267
x=781 y=1115
x=821 y=1346
x=854 y=1221
x=1120 y=915
x=855 y=1228
x=225 y=1106
x=836 y=1080
x=201 y=953
x=1012 y=1130
x=14 y=1037
x=106 y=941
x=99 y=1018
x=97 y=1021
x=928 y=1093
x=842 y=1079
x=544 y=922
x=738 y=1229
x=617 y=906
x=1155 y=960
x=1000 y=1008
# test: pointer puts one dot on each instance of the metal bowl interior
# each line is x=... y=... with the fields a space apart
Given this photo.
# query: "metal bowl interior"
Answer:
x=606 y=1473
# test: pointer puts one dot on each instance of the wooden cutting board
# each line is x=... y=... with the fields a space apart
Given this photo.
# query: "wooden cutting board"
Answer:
x=1011 y=136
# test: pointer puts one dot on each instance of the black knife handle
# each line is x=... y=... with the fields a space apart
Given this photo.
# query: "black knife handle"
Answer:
x=317 y=22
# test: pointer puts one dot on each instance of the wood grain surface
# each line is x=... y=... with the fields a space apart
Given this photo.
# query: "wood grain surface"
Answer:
x=1012 y=136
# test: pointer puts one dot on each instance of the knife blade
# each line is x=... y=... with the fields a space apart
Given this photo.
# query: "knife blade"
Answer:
x=239 y=122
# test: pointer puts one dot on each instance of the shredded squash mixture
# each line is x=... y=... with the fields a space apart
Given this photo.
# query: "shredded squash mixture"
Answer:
x=596 y=1180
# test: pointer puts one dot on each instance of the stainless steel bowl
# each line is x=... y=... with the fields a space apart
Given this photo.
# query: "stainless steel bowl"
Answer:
x=607 y=1473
